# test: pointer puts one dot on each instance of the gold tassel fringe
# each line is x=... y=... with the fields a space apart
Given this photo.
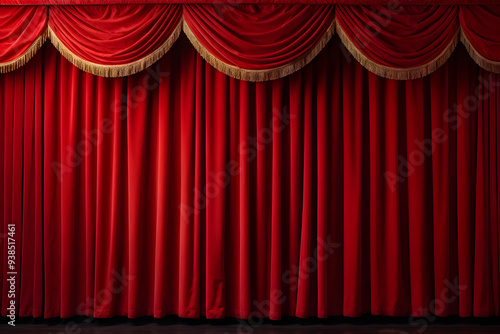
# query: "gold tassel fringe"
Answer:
x=26 y=56
x=259 y=75
x=114 y=71
x=252 y=75
x=394 y=72
x=488 y=65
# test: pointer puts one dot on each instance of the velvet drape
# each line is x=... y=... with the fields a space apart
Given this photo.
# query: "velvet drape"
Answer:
x=114 y=35
x=180 y=190
x=399 y=36
x=220 y=29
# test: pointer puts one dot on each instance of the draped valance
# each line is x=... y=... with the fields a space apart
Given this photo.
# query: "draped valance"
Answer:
x=253 y=42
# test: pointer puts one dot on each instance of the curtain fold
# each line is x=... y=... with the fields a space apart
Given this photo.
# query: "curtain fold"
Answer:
x=180 y=190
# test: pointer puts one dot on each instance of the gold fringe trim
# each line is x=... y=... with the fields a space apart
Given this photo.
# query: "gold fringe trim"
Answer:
x=259 y=75
x=113 y=71
x=487 y=64
x=26 y=56
x=252 y=75
x=394 y=72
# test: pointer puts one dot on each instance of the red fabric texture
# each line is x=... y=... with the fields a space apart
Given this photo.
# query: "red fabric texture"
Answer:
x=480 y=25
x=19 y=28
x=179 y=190
x=114 y=35
x=258 y=37
x=399 y=36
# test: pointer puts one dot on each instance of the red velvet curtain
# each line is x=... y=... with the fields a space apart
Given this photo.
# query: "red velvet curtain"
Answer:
x=479 y=34
x=399 y=36
x=258 y=37
x=179 y=190
x=19 y=27
x=114 y=35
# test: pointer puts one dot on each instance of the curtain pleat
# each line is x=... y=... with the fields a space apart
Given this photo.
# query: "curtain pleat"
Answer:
x=419 y=185
x=356 y=243
x=466 y=171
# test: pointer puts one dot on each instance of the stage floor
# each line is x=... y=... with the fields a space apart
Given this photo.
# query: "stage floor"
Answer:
x=156 y=328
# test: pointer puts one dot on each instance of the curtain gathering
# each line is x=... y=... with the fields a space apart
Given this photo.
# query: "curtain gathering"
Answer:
x=180 y=190
x=253 y=42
